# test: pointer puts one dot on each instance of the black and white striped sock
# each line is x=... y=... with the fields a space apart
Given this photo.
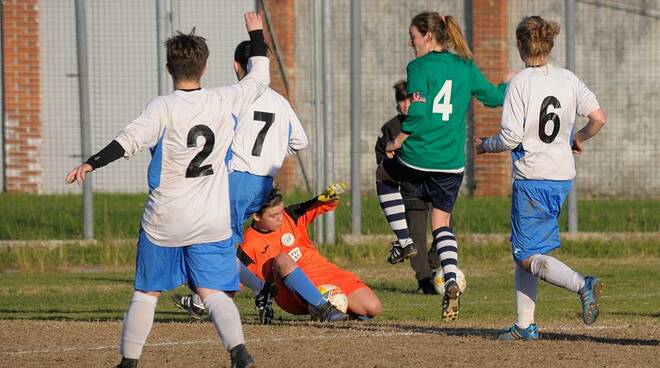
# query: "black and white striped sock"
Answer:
x=391 y=202
x=445 y=244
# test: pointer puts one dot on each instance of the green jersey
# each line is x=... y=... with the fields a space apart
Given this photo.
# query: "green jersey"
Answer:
x=440 y=85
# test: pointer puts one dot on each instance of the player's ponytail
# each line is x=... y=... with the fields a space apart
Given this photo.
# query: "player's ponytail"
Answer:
x=456 y=38
x=446 y=31
x=536 y=36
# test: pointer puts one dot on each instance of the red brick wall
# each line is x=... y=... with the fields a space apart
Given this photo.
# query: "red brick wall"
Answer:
x=22 y=105
x=489 y=17
x=282 y=15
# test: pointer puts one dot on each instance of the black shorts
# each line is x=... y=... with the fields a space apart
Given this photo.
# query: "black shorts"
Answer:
x=439 y=188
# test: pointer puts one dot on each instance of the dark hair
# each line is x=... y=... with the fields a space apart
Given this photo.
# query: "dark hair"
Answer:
x=445 y=29
x=242 y=53
x=274 y=198
x=400 y=93
x=186 y=55
x=536 y=36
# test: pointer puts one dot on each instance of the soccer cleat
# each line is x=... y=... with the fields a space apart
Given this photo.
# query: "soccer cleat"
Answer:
x=400 y=253
x=128 y=363
x=426 y=286
x=327 y=312
x=195 y=309
x=264 y=302
x=240 y=358
x=451 y=301
x=589 y=295
x=531 y=333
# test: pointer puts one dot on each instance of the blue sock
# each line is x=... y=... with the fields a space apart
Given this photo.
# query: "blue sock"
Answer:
x=300 y=284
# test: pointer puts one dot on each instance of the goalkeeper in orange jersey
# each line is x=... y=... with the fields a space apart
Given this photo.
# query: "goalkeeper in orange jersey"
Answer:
x=277 y=248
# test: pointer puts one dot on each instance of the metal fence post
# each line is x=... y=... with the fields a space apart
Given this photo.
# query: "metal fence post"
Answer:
x=318 y=116
x=164 y=30
x=356 y=108
x=327 y=116
x=570 y=65
x=85 y=131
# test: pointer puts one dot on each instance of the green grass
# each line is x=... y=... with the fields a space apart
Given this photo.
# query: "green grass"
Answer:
x=117 y=216
x=104 y=295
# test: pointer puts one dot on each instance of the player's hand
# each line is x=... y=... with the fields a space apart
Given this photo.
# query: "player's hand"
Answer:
x=391 y=148
x=253 y=21
x=479 y=145
x=332 y=192
x=78 y=174
x=578 y=146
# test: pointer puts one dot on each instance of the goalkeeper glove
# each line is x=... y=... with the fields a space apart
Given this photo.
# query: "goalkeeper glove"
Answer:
x=332 y=192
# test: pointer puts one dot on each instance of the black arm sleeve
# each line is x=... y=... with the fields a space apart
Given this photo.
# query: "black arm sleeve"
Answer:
x=257 y=43
x=111 y=152
x=297 y=210
x=244 y=257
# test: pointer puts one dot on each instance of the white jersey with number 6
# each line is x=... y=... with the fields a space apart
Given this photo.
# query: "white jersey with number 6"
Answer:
x=537 y=122
x=189 y=134
x=265 y=134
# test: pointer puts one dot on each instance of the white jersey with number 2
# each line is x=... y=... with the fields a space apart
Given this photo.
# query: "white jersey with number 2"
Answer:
x=189 y=134
x=265 y=134
x=538 y=117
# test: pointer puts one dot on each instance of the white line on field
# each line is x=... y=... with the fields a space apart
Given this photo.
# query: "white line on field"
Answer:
x=202 y=342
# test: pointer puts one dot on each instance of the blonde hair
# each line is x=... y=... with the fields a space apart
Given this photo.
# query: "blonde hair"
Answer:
x=536 y=36
x=446 y=31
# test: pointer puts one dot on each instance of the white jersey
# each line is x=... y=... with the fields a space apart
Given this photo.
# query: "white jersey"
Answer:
x=265 y=134
x=189 y=134
x=538 y=117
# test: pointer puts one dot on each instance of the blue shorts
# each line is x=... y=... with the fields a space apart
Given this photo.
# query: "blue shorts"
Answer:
x=535 y=209
x=207 y=265
x=247 y=193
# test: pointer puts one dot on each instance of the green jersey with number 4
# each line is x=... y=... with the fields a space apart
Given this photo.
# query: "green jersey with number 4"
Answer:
x=440 y=85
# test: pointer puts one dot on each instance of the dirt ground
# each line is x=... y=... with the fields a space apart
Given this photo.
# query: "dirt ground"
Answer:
x=27 y=343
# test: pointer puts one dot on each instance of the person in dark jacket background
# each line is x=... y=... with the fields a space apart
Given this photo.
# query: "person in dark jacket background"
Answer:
x=425 y=262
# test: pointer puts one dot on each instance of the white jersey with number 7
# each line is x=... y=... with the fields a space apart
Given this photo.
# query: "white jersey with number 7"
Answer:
x=538 y=117
x=265 y=134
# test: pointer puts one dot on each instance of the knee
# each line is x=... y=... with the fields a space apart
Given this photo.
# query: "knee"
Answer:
x=526 y=264
x=373 y=306
x=283 y=264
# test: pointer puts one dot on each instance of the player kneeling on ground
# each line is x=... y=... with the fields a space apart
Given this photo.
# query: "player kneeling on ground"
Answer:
x=278 y=249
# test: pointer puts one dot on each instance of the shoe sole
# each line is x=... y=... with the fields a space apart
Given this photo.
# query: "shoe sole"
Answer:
x=399 y=260
x=597 y=290
x=453 y=306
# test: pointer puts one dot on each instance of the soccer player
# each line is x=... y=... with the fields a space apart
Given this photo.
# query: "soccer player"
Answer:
x=265 y=134
x=537 y=127
x=277 y=248
x=417 y=210
x=430 y=150
x=185 y=234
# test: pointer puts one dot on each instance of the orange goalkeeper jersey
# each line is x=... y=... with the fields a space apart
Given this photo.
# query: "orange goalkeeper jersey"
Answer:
x=259 y=248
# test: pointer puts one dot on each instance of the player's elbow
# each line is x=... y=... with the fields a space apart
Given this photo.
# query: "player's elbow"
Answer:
x=598 y=117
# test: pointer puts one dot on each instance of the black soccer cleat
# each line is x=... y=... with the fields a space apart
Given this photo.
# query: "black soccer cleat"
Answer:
x=327 y=313
x=399 y=254
x=187 y=303
x=451 y=301
x=240 y=358
x=128 y=363
x=264 y=303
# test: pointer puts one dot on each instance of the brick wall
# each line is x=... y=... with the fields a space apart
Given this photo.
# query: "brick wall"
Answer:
x=22 y=101
x=489 y=20
x=282 y=16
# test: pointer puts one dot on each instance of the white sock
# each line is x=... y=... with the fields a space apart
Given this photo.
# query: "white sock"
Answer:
x=226 y=319
x=552 y=270
x=249 y=279
x=138 y=320
x=526 y=287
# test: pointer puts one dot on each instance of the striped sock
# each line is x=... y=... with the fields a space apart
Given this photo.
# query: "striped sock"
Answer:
x=445 y=243
x=391 y=202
